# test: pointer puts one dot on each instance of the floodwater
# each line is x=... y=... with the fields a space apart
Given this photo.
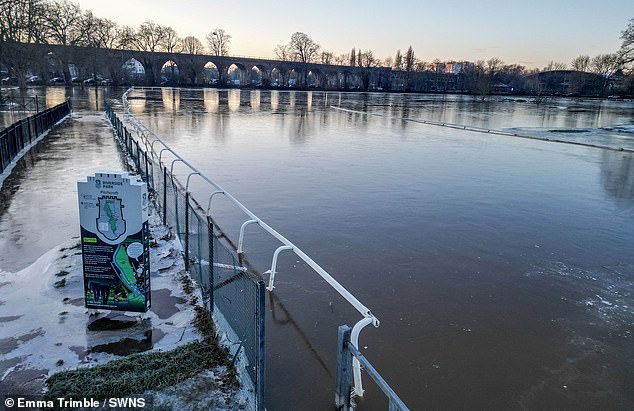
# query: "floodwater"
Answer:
x=38 y=200
x=501 y=267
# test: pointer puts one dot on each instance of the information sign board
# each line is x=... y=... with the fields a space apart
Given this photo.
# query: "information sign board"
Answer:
x=113 y=215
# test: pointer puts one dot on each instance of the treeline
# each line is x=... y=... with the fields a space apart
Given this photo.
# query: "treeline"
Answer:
x=63 y=22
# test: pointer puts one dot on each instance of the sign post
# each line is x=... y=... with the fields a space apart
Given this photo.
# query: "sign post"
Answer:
x=113 y=215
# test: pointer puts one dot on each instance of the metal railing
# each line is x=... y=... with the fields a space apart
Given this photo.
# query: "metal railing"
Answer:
x=346 y=352
x=151 y=155
x=24 y=132
x=235 y=298
x=150 y=139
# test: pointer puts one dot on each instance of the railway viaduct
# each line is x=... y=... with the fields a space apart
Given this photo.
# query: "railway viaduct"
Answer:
x=187 y=69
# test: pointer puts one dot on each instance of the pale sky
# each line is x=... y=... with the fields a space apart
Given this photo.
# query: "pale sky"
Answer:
x=527 y=32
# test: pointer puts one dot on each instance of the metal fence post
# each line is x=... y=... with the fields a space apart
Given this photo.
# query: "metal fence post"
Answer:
x=147 y=171
x=187 y=231
x=261 y=321
x=344 y=370
x=2 y=137
x=164 y=195
x=138 y=158
x=210 y=241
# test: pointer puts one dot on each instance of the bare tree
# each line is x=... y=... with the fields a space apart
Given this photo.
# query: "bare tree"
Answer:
x=327 y=57
x=554 y=65
x=410 y=59
x=353 y=57
x=493 y=66
x=342 y=59
x=103 y=33
x=125 y=38
x=149 y=36
x=22 y=21
x=366 y=59
x=398 y=60
x=218 y=41
x=66 y=23
x=191 y=45
x=282 y=52
x=169 y=40
x=420 y=65
x=626 y=52
x=581 y=63
x=303 y=48
x=606 y=64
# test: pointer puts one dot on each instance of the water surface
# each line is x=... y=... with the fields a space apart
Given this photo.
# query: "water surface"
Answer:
x=500 y=267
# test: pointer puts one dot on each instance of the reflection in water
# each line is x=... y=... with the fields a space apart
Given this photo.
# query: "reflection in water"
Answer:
x=211 y=99
x=439 y=229
x=55 y=96
x=233 y=99
x=255 y=100
x=304 y=127
x=95 y=98
x=617 y=174
x=171 y=99
x=291 y=100
x=452 y=238
x=138 y=103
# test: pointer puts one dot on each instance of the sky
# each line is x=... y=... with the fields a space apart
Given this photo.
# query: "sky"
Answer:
x=527 y=32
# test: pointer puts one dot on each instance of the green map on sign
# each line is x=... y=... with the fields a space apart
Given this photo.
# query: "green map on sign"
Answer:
x=110 y=221
x=127 y=273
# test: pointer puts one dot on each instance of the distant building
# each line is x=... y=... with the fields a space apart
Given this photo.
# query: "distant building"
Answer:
x=452 y=67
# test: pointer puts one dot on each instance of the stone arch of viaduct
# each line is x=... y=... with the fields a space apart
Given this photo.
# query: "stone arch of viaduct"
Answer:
x=110 y=62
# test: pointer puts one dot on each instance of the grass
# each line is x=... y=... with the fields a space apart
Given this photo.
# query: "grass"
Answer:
x=156 y=370
x=138 y=373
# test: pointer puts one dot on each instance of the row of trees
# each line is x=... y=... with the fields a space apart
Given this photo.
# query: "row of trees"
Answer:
x=64 y=22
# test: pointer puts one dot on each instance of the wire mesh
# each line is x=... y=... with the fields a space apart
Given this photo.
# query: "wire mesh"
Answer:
x=228 y=288
x=235 y=292
x=199 y=258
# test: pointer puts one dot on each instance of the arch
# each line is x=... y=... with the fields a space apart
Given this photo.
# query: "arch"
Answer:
x=236 y=75
x=169 y=72
x=256 y=76
x=211 y=74
x=314 y=78
x=132 y=70
x=294 y=78
x=277 y=77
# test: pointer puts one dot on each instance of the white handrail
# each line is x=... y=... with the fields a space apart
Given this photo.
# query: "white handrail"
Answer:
x=369 y=318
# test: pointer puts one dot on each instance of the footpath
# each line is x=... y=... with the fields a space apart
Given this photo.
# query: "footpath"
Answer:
x=44 y=326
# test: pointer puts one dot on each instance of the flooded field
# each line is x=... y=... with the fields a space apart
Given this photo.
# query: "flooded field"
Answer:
x=501 y=267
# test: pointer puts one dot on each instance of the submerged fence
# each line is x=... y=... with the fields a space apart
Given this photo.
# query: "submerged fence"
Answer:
x=22 y=133
x=235 y=296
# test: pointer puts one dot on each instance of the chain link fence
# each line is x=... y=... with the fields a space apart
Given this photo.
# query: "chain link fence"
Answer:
x=234 y=296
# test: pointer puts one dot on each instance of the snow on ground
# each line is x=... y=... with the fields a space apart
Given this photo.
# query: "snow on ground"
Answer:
x=44 y=325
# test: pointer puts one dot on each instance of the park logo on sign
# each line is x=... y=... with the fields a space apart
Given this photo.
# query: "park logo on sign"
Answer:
x=110 y=221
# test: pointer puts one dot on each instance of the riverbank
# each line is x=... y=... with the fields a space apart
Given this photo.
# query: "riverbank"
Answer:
x=45 y=328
